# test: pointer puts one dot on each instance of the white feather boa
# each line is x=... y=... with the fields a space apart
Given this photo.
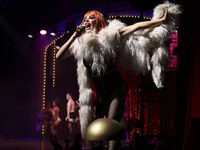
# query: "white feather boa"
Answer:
x=134 y=50
x=100 y=48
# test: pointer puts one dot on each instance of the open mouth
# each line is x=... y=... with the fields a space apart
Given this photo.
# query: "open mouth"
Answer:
x=88 y=26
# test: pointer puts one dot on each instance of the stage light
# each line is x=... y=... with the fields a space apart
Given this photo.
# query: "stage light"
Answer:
x=53 y=31
x=43 y=32
x=30 y=33
x=30 y=36
x=53 y=34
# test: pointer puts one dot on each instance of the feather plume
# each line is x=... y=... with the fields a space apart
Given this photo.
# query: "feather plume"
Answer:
x=134 y=53
x=98 y=49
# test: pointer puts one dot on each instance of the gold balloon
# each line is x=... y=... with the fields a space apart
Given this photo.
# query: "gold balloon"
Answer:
x=104 y=129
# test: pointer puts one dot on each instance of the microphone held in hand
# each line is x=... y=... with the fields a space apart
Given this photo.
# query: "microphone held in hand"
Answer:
x=80 y=28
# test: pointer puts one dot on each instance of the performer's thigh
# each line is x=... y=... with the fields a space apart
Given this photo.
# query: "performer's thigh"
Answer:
x=117 y=104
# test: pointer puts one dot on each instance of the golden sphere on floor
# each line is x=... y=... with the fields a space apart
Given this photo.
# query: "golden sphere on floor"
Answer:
x=104 y=129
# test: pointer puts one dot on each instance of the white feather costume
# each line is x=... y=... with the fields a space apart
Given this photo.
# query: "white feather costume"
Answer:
x=133 y=54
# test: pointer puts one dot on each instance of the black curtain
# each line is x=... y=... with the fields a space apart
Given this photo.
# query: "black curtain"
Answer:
x=188 y=78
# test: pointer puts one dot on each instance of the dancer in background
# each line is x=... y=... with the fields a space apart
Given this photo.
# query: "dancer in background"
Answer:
x=46 y=115
x=96 y=44
x=56 y=118
x=45 y=120
x=71 y=115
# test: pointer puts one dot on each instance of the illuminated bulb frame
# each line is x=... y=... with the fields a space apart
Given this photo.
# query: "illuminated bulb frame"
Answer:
x=45 y=69
x=129 y=16
x=45 y=72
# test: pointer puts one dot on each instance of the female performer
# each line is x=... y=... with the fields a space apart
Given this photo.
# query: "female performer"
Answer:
x=96 y=43
x=56 y=118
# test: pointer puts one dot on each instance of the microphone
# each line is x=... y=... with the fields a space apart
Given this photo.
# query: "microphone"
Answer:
x=81 y=28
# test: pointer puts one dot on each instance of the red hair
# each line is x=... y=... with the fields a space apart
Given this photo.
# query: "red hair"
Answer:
x=101 y=21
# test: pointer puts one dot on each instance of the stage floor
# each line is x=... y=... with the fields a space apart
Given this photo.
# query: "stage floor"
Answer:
x=34 y=144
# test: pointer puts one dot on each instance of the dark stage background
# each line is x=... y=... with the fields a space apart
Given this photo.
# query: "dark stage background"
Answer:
x=21 y=71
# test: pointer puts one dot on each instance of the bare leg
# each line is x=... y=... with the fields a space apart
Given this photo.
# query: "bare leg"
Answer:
x=53 y=132
x=70 y=126
x=54 y=127
x=116 y=111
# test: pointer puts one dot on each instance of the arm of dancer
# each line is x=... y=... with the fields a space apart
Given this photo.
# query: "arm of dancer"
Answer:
x=126 y=31
x=65 y=50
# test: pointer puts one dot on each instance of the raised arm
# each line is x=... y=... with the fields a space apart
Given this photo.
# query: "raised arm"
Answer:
x=142 y=25
x=65 y=50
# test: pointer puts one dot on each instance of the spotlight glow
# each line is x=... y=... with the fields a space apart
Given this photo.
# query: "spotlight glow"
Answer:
x=43 y=32
x=57 y=47
x=30 y=36
x=53 y=34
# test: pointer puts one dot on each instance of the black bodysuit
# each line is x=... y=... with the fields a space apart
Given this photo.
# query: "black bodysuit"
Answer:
x=105 y=85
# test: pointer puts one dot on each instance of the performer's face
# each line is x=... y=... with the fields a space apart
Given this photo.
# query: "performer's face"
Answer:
x=68 y=96
x=90 y=22
x=54 y=104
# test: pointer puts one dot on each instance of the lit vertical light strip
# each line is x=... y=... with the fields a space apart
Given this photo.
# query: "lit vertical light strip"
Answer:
x=54 y=64
x=44 y=78
x=53 y=68
x=44 y=83
x=45 y=73
x=54 y=60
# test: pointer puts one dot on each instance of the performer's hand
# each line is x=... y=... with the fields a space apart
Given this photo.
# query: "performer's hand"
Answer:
x=66 y=118
x=80 y=29
x=163 y=18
